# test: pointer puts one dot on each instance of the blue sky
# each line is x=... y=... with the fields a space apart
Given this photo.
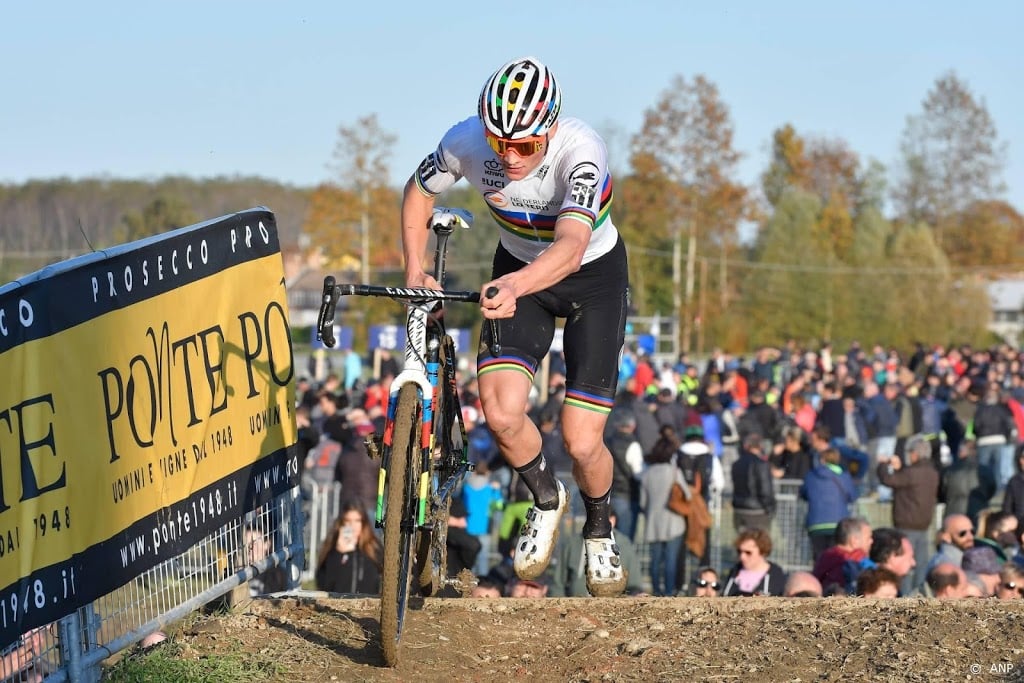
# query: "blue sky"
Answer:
x=141 y=90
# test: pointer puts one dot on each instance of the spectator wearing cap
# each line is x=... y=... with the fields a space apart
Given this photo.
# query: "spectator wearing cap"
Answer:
x=982 y=560
x=915 y=494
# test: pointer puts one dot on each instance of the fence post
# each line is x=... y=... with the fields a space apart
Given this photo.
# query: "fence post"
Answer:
x=70 y=634
x=297 y=561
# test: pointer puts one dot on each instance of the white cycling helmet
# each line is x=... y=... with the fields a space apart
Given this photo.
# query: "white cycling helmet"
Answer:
x=520 y=100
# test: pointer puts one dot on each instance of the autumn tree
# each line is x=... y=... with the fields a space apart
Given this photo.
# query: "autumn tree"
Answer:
x=951 y=157
x=685 y=151
x=358 y=201
x=789 y=166
x=986 y=233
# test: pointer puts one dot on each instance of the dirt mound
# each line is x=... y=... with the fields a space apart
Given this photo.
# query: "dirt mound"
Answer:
x=631 y=639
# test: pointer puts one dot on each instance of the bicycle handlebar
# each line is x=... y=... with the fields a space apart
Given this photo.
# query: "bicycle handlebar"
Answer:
x=333 y=291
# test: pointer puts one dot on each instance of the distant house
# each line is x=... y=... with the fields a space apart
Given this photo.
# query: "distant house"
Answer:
x=1007 y=297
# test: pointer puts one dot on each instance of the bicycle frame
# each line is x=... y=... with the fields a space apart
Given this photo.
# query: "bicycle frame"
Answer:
x=414 y=537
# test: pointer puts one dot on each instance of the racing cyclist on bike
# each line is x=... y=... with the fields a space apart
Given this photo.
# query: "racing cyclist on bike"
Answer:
x=546 y=183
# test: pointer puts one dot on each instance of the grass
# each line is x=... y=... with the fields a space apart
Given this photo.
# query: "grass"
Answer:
x=165 y=663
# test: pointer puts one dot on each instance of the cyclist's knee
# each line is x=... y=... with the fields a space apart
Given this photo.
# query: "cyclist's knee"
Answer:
x=584 y=447
x=502 y=421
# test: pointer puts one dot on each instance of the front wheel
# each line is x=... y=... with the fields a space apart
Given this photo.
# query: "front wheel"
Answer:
x=399 y=520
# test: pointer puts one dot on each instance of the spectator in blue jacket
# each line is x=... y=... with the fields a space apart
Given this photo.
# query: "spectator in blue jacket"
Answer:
x=829 y=491
x=853 y=461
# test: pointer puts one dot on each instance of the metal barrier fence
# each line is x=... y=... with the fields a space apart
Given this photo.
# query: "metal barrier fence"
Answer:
x=266 y=544
x=322 y=507
x=791 y=546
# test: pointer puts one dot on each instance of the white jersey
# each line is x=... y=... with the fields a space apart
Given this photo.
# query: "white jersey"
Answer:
x=572 y=182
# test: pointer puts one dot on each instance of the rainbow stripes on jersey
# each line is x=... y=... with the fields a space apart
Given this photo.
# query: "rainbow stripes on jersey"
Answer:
x=539 y=227
x=581 y=399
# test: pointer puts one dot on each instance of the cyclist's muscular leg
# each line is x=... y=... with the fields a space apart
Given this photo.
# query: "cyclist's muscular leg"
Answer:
x=503 y=397
x=592 y=462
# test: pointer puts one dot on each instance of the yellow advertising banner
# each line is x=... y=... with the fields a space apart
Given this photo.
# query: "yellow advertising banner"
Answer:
x=147 y=400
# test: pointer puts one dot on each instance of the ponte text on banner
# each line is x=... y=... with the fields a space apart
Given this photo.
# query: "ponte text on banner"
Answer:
x=147 y=400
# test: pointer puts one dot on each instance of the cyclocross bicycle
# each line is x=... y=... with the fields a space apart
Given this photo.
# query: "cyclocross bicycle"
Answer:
x=423 y=450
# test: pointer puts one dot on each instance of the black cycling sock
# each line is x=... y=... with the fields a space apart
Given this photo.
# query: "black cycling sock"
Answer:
x=541 y=481
x=599 y=523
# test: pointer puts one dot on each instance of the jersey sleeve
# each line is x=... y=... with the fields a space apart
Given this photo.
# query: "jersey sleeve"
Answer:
x=587 y=182
x=442 y=168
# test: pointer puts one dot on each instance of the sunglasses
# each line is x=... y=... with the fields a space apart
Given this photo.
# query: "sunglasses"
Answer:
x=1011 y=586
x=704 y=583
x=524 y=148
x=964 y=532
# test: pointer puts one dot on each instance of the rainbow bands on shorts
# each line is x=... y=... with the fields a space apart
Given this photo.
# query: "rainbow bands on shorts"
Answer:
x=581 y=399
x=505 y=363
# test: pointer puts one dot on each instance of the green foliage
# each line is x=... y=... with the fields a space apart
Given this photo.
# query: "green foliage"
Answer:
x=786 y=300
x=161 y=215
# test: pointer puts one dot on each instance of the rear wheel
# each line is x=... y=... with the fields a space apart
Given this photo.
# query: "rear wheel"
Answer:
x=399 y=520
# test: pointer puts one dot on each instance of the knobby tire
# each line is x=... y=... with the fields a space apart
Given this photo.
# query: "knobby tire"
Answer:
x=400 y=520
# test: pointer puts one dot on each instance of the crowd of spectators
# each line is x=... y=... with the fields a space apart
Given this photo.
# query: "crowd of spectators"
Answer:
x=934 y=429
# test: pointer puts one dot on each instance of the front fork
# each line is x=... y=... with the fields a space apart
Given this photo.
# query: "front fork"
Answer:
x=383 y=447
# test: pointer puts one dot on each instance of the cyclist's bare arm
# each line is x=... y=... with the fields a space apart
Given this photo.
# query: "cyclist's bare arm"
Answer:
x=561 y=259
x=416 y=211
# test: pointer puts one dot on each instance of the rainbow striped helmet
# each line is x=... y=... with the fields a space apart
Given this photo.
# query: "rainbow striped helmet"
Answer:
x=520 y=100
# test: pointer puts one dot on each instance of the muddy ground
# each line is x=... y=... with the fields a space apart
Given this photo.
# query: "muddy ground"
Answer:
x=629 y=639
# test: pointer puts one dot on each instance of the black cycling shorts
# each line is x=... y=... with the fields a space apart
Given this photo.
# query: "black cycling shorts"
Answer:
x=593 y=302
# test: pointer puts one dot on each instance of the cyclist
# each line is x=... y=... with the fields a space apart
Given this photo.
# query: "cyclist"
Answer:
x=545 y=180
